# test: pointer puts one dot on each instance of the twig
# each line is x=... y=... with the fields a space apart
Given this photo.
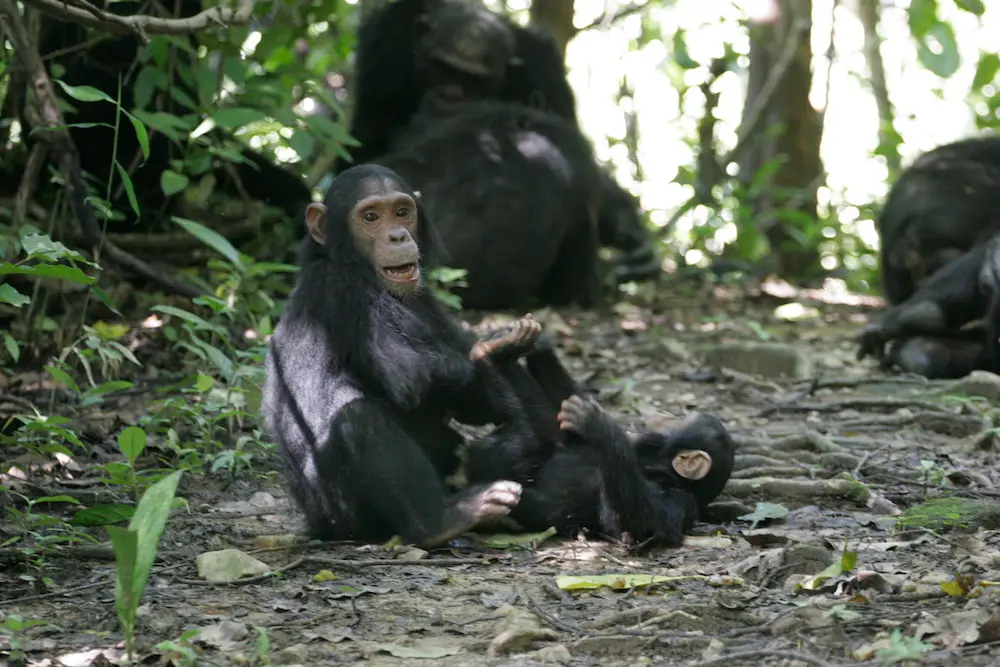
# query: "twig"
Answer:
x=607 y=18
x=29 y=181
x=739 y=657
x=67 y=155
x=341 y=563
x=55 y=594
x=142 y=24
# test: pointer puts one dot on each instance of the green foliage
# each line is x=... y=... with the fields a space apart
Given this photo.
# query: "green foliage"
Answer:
x=135 y=550
x=903 y=649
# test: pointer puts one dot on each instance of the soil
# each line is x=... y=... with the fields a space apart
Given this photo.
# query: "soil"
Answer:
x=821 y=573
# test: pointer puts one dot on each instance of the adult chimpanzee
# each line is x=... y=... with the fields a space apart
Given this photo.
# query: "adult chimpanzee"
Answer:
x=514 y=198
x=365 y=367
x=464 y=46
x=935 y=331
x=653 y=487
x=942 y=205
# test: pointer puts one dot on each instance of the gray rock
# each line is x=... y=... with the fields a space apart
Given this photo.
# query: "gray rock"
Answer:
x=770 y=360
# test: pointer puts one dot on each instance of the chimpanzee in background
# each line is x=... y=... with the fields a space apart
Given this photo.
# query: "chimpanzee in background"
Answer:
x=466 y=49
x=520 y=213
x=100 y=64
x=949 y=326
x=365 y=368
x=941 y=206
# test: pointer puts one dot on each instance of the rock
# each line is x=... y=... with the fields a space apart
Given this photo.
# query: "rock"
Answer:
x=770 y=360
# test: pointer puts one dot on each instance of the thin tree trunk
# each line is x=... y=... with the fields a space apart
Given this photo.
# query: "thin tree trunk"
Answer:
x=791 y=128
x=868 y=13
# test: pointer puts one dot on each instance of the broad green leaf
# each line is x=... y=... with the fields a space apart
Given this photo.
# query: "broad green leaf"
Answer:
x=70 y=273
x=976 y=7
x=986 y=70
x=616 y=581
x=125 y=542
x=103 y=515
x=149 y=521
x=211 y=238
x=937 y=50
x=132 y=440
x=681 y=55
x=42 y=245
x=129 y=189
x=12 y=297
x=236 y=117
x=85 y=93
x=171 y=182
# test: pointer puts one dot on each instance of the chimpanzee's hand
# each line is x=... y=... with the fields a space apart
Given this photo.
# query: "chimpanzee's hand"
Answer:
x=872 y=341
x=508 y=341
x=577 y=414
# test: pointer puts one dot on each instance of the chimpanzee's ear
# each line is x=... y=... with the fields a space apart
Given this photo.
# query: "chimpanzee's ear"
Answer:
x=692 y=464
x=316 y=222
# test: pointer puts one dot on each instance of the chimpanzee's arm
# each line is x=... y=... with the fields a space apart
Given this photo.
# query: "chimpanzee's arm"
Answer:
x=634 y=503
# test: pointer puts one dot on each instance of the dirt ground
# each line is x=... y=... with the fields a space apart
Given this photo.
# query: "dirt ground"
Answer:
x=834 y=449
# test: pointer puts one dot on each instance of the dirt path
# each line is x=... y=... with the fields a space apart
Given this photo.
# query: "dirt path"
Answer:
x=736 y=594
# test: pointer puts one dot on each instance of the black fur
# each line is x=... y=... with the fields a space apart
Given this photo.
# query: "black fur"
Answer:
x=936 y=331
x=514 y=198
x=392 y=78
x=941 y=206
x=360 y=384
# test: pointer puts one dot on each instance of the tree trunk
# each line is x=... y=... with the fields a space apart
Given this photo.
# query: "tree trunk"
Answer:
x=557 y=17
x=790 y=129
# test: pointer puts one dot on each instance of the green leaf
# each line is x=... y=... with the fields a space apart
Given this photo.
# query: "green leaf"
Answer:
x=211 y=238
x=171 y=182
x=183 y=314
x=41 y=245
x=110 y=387
x=237 y=117
x=937 y=50
x=681 y=55
x=976 y=7
x=203 y=383
x=141 y=134
x=85 y=93
x=131 y=441
x=617 y=582
x=103 y=515
x=125 y=542
x=129 y=189
x=57 y=499
x=12 y=297
x=506 y=541
x=149 y=521
x=302 y=143
x=986 y=70
x=62 y=376
x=922 y=17
x=9 y=342
x=763 y=512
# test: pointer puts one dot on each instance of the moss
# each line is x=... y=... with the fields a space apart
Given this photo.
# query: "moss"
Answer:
x=945 y=514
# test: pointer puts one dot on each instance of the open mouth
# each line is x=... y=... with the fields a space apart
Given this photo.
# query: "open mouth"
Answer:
x=403 y=273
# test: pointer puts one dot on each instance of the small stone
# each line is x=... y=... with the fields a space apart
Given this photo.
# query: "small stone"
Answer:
x=769 y=360
x=557 y=654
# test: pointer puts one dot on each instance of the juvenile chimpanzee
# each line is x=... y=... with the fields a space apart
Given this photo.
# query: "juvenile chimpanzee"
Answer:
x=365 y=367
x=598 y=478
x=514 y=197
x=935 y=331
x=941 y=206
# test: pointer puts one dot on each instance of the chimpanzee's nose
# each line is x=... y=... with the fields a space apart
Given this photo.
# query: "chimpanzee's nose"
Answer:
x=397 y=236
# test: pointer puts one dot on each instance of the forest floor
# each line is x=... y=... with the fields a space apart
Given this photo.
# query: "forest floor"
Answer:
x=824 y=574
